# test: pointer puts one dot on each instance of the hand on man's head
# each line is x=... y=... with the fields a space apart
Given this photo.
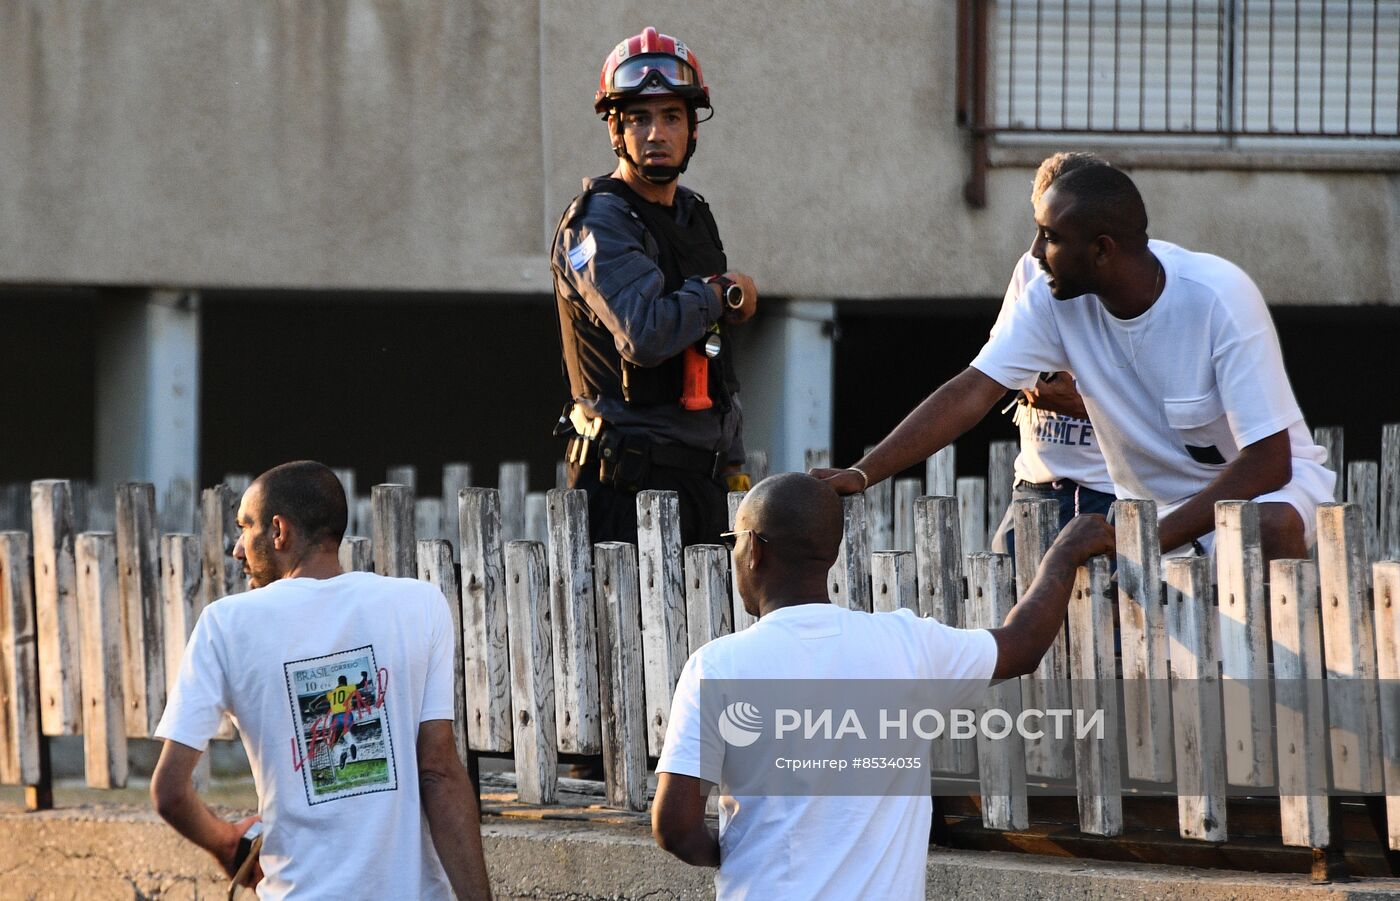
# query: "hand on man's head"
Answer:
x=842 y=481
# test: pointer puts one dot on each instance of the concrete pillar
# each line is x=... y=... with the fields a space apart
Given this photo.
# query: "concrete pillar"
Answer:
x=785 y=365
x=148 y=389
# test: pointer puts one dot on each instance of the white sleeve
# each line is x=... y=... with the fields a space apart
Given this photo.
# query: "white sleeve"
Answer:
x=200 y=698
x=1025 y=341
x=693 y=746
x=961 y=660
x=439 y=700
x=1020 y=277
x=1249 y=371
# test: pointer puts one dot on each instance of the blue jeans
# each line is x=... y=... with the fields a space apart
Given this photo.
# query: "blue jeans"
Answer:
x=1073 y=497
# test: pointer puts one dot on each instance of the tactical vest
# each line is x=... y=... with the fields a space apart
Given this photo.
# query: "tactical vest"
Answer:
x=592 y=364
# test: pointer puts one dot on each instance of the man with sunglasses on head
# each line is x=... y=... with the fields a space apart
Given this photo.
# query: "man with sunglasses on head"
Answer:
x=645 y=300
x=835 y=842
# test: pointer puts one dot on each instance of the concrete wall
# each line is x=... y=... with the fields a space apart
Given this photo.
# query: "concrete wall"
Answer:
x=431 y=144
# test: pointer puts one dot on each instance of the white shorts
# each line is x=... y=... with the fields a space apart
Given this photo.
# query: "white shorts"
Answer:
x=1311 y=486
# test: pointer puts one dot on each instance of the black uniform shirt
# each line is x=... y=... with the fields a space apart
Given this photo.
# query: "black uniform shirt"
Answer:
x=605 y=265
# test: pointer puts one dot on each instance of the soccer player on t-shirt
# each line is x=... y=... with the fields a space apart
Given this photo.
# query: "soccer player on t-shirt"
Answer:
x=778 y=844
x=1177 y=360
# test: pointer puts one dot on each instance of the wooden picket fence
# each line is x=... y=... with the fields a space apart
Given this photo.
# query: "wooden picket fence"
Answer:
x=571 y=648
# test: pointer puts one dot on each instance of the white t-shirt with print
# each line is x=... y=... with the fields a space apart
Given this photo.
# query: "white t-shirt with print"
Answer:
x=1054 y=446
x=825 y=847
x=359 y=659
x=1173 y=393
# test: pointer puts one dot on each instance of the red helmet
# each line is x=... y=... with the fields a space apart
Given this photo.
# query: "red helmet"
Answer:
x=650 y=63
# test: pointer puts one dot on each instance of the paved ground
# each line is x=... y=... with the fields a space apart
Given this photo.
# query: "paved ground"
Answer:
x=109 y=845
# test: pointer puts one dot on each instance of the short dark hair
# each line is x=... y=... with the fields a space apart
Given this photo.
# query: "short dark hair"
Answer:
x=1057 y=164
x=1106 y=202
x=308 y=495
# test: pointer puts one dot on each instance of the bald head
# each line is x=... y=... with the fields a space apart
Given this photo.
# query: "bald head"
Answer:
x=800 y=517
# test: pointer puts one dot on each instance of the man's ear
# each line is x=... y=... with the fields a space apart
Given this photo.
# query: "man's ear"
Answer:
x=278 y=531
x=1105 y=248
x=755 y=552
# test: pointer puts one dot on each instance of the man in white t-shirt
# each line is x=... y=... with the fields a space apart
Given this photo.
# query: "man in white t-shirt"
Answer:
x=788 y=531
x=1177 y=360
x=1060 y=458
x=341 y=687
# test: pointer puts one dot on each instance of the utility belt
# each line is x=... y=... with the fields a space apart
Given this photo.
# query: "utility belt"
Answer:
x=625 y=459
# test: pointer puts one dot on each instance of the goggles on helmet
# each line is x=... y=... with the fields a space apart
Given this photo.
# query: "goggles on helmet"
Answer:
x=639 y=71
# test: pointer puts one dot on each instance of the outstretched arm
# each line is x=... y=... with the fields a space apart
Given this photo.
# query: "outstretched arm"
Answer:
x=944 y=415
x=1034 y=622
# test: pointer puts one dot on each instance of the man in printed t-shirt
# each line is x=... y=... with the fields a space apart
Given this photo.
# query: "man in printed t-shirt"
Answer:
x=369 y=763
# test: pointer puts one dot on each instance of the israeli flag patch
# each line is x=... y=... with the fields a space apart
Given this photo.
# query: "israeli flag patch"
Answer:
x=581 y=254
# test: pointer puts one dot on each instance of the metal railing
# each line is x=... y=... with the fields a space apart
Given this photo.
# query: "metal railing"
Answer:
x=1304 y=71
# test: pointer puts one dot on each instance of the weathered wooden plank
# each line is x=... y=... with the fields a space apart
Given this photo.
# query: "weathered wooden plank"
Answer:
x=356 y=554
x=100 y=628
x=435 y=567
x=406 y=475
x=364 y=514
x=1387 y=581
x=1001 y=765
x=817 y=458
x=56 y=608
x=708 y=611
x=14 y=507
x=1197 y=714
x=239 y=482
x=1349 y=650
x=1299 y=703
x=531 y=673
x=427 y=518
x=1244 y=644
x=892 y=577
x=879 y=514
x=138 y=582
x=1048 y=755
x=486 y=648
x=938 y=563
x=665 y=644
x=514 y=483
x=574 y=618
x=1363 y=490
x=940 y=473
x=972 y=514
x=1142 y=625
x=1330 y=438
x=223 y=575
x=1389 y=520
x=620 y=676
x=742 y=618
x=455 y=477
x=561 y=474
x=848 y=583
x=182 y=600
x=756 y=465
x=1098 y=774
x=19 y=665
x=181 y=597
x=393 y=530
x=1001 y=475
x=177 y=513
x=906 y=491
x=536 y=517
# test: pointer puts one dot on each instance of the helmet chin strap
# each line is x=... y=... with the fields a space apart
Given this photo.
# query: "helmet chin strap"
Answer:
x=657 y=175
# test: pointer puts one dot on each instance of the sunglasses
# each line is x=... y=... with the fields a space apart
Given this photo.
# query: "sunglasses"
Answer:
x=729 y=539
